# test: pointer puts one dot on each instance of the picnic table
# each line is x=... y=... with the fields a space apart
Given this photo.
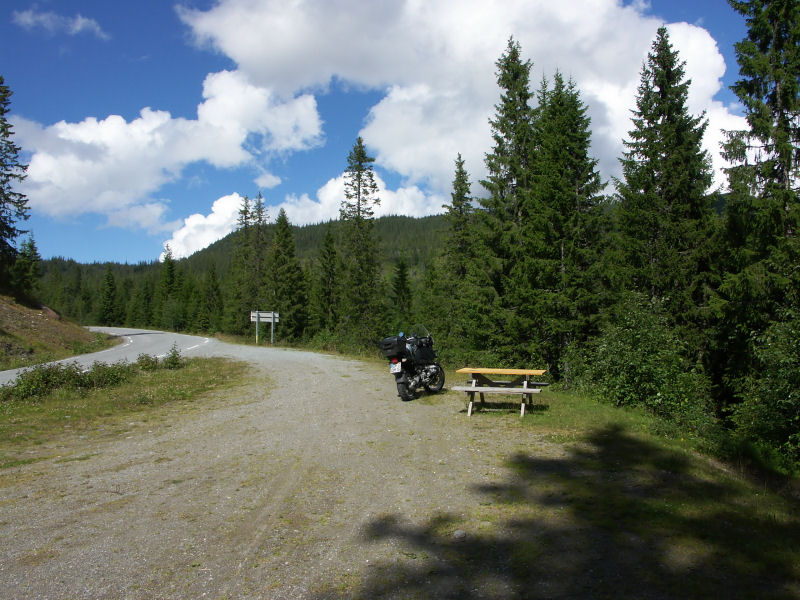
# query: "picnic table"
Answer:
x=515 y=381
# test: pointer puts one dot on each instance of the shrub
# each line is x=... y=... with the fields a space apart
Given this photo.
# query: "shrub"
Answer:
x=769 y=414
x=146 y=362
x=39 y=381
x=639 y=360
x=173 y=360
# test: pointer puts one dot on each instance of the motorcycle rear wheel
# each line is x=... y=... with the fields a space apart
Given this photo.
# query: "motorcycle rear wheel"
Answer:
x=404 y=393
x=436 y=382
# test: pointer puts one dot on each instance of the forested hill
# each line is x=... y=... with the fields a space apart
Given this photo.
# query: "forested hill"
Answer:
x=74 y=289
x=415 y=240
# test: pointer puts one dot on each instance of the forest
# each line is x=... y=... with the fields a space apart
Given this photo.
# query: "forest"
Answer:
x=650 y=290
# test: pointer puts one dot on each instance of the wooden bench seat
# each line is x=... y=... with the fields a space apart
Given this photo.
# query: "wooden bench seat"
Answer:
x=481 y=384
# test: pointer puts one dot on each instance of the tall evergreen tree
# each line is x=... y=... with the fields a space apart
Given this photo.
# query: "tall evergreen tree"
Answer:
x=286 y=291
x=664 y=213
x=401 y=291
x=108 y=308
x=358 y=312
x=759 y=301
x=27 y=268
x=325 y=290
x=460 y=216
x=13 y=204
x=244 y=287
x=557 y=300
x=508 y=183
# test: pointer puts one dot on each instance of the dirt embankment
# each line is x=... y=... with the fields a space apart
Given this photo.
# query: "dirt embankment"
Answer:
x=26 y=333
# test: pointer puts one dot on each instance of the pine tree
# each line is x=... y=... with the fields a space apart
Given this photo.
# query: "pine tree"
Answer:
x=508 y=184
x=562 y=227
x=358 y=311
x=325 y=291
x=108 y=309
x=286 y=292
x=759 y=299
x=13 y=204
x=664 y=213
x=27 y=268
x=460 y=217
x=401 y=292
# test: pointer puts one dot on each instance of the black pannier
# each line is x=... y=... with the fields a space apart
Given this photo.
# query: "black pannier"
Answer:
x=393 y=346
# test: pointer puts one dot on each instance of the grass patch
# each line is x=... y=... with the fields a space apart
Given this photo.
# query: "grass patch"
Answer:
x=600 y=502
x=28 y=426
x=28 y=353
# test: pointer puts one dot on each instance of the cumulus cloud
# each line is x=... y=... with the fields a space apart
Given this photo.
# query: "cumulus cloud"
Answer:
x=198 y=231
x=406 y=200
x=113 y=167
x=436 y=59
x=54 y=23
x=433 y=62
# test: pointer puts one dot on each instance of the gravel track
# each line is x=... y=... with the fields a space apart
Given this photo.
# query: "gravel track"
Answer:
x=273 y=489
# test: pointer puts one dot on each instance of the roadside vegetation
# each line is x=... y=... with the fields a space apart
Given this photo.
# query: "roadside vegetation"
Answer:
x=32 y=335
x=49 y=402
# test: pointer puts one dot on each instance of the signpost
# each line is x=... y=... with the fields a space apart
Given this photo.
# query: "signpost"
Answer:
x=256 y=316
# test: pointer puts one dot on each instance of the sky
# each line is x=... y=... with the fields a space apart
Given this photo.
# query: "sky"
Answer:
x=145 y=123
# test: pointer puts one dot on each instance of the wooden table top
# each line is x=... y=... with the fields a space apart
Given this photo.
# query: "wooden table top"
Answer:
x=493 y=371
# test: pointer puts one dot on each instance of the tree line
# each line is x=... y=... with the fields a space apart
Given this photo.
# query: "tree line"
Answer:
x=650 y=290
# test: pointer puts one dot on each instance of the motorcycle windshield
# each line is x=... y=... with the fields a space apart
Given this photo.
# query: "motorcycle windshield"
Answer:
x=419 y=331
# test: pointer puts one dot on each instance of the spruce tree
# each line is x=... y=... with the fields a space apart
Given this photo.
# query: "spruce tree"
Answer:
x=286 y=291
x=558 y=297
x=401 y=292
x=759 y=299
x=27 y=268
x=508 y=184
x=460 y=216
x=13 y=204
x=108 y=313
x=243 y=291
x=359 y=301
x=325 y=290
x=664 y=213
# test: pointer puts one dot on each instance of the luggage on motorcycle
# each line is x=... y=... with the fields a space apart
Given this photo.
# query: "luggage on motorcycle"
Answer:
x=392 y=346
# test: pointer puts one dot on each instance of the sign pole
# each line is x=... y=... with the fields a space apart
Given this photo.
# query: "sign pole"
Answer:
x=258 y=324
x=272 y=331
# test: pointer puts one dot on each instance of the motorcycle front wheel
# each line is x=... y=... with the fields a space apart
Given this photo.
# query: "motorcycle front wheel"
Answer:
x=404 y=393
x=436 y=382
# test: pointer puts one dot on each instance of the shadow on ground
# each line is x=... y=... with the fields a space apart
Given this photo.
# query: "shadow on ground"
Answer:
x=617 y=518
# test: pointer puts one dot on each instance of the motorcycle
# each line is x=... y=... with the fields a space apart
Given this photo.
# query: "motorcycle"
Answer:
x=412 y=361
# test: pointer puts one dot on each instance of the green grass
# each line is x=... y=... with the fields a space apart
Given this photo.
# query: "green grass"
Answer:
x=41 y=353
x=29 y=427
x=607 y=502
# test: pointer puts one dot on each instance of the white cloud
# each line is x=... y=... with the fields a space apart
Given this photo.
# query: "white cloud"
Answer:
x=406 y=200
x=198 y=231
x=54 y=23
x=436 y=61
x=112 y=166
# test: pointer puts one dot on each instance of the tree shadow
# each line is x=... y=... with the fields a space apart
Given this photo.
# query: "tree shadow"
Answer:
x=618 y=517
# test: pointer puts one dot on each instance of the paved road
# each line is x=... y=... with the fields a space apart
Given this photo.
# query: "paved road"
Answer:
x=136 y=342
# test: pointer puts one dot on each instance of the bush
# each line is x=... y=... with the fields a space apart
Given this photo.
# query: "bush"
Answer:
x=173 y=360
x=37 y=382
x=145 y=362
x=638 y=360
x=769 y=414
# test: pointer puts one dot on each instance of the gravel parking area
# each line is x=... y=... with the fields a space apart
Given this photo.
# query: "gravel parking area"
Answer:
x=295 y=485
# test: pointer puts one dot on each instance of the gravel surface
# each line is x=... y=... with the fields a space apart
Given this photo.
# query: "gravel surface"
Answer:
x=310 y=481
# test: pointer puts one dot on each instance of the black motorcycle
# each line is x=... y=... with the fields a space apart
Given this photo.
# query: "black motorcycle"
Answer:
x=412 y=361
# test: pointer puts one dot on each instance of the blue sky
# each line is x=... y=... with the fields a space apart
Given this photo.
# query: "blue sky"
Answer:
x=144 y=122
